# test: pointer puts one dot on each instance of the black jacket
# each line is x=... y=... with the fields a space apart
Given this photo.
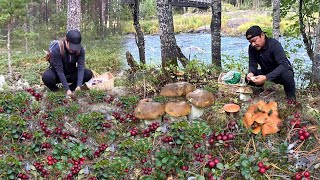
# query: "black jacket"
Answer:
x=271 y=58
x=69 y=64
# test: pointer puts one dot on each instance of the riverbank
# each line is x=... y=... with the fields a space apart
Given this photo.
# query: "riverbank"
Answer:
x=233 y=23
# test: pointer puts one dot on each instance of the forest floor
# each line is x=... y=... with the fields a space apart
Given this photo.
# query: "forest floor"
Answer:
x=45 y=135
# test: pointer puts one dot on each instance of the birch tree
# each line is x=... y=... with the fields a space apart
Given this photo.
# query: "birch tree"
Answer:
x=276 y=19
x=216 y=33
x=166 y=31
x=10 y=12
x=74 y=15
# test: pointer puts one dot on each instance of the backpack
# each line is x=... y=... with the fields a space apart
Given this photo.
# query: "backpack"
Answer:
x=52 y=44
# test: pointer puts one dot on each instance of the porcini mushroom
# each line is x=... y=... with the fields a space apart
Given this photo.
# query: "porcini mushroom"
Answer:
x=148 y=110
x=245 y=93
x=178 y=109
x=199 y=99
x=177 y=89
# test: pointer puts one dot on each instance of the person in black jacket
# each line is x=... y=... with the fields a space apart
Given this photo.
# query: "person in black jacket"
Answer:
x=67 y=67
x=270 y=56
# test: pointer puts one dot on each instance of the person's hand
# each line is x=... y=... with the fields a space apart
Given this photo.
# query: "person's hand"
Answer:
x=258 y=80
x=249 y=76
x=70 y=93
x=78 y=88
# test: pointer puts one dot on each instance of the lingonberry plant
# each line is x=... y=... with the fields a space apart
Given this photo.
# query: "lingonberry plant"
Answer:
x=97 y=136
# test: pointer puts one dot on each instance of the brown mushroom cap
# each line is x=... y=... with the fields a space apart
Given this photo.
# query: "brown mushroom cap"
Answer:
x=231 y=108
x=177 y=89
x=148 y=110
x=201 y=98
x=178 y=109
x=245 y=90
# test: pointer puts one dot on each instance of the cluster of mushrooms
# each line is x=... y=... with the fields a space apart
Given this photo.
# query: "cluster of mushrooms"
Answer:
x=262 y=117
x=178 y=107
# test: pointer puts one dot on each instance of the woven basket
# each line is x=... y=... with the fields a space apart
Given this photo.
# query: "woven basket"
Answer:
x=104 y=81
x=229 y=88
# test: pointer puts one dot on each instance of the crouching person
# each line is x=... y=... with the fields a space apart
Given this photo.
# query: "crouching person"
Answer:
x=67 y=64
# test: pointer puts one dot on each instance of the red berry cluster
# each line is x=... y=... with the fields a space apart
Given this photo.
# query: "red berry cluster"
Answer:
x=38 y=96
x=76 y=167
x=151 y=128
x=93 y=178
x=46 y=145
x=300 y=175
x=40 y=168
x=199 y=157
x=84 y=139
x=65 y=135
x=167 y=139
x=51 y=160
x=184 y=168
x=224 y=136
x=212 y=163
x=144 y=160
x=106 y=125
x=44 y=128
x=1 y=110
x=147 y=170
x=197 y=145
x=263 y=168
x=23 y=176
x=303 y=133
x=98 y=152
x=296 y=121
x=293 y=102
x=26 y=135
x=133 y=131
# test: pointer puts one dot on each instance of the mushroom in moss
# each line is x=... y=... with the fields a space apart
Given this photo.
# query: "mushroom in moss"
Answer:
x=231 y=108
x=177 y=89
x=199 y=99
x=148 y=110
x=245 y=93
x=178 y=109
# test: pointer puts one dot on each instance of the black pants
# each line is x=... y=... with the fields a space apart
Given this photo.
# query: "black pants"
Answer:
x=286 y=79
x=51 y=79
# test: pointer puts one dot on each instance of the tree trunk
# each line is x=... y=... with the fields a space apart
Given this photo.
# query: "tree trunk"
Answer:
x=315 y=79
x=215 y=33
x=166 y=31
x=58 y=6
x=108 y=14
x=9 y=49
x=103 y=14
x=276 y=19
x=139 y=35
x=306 y=40
x=26 y=44
x=74 y=15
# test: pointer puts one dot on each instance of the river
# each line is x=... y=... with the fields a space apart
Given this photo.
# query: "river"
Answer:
x=198 y=46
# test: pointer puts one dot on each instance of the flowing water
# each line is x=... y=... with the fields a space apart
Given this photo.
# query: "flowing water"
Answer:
x=233 y=50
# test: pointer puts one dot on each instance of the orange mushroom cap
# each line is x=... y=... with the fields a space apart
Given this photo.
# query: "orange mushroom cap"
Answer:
x=231 y=108
x=260 y=117
x=256 y=130
x=247 y=119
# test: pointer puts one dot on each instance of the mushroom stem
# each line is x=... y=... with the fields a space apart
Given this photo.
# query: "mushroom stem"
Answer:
x=245 y=97
x=196 y=112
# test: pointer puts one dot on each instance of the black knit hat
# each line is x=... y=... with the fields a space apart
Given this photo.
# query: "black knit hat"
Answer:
x=74 y=38
x=253 y=31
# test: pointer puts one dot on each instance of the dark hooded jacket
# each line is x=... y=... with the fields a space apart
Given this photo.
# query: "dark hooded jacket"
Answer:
x=68 y=64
